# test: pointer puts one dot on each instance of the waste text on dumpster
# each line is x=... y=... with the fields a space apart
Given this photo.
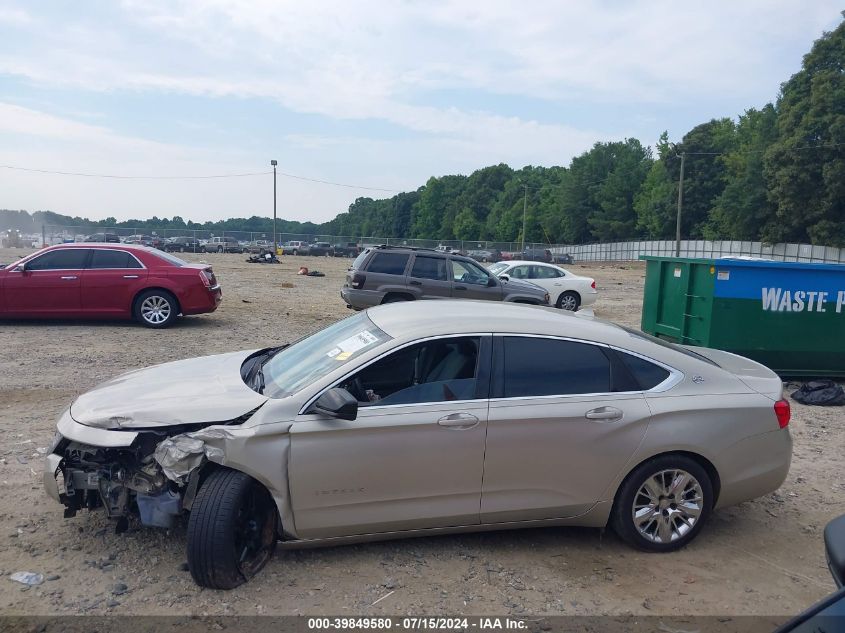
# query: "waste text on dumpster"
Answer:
x=780 y=300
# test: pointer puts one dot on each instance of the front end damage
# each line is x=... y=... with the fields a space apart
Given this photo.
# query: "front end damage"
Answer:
x=149 y=474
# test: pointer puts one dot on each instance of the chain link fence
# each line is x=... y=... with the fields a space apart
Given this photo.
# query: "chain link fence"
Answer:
x=608 y=251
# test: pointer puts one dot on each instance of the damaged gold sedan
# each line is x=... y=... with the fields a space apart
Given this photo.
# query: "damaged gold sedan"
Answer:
x=420 y=418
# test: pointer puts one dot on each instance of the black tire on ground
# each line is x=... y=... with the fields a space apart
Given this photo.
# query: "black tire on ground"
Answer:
x=231 y=530
x=657 y=470
x=181 y=249
x=155 y=308
x=219 y=249
x=295 y=252
x=569 y=300
x=395 y=299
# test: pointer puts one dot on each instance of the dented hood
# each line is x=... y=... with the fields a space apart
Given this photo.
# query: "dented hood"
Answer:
x=207 y=389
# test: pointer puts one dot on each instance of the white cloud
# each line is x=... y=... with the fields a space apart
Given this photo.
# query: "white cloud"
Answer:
x=388 y=62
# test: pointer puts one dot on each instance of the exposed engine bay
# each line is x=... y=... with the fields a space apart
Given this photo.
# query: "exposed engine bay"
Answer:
x=123 y=481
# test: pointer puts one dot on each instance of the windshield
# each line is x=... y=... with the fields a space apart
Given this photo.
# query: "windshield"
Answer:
x=317 y=355
x=497 y=268
x=665 y=343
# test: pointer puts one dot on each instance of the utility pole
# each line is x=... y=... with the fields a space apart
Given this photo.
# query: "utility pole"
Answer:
x=680 y=206
x=275 y=245
x=524 y=214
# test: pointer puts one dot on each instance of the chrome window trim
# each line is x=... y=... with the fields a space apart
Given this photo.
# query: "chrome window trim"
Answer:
x=675 y=375
x=384 y=354
x=119 y=250
x=36 y=256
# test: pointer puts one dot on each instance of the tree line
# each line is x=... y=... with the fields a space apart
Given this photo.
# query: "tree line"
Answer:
x=776 y=174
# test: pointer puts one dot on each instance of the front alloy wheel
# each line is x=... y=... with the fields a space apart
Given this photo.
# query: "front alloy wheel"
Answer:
x=663 y=504
x=231 y=530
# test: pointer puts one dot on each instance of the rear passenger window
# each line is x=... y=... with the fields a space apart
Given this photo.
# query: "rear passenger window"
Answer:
x=429 y=268
x=113 y=259
x=647 y=374
x=388 y=263
x=548 y=367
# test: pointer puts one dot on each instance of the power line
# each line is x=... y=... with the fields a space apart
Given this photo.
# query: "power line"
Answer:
x=215 y=176
x=124 y=177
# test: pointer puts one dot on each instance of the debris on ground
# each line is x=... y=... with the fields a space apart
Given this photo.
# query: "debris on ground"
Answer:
x=303 y=270
x=821 y=393
x=29 y=578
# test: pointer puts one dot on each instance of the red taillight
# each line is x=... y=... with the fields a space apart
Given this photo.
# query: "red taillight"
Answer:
x=207 y=278
x=783 y=413
x=358 y=281
x=593 y=285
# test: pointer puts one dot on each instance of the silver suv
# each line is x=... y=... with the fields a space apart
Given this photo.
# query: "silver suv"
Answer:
x=384 y=274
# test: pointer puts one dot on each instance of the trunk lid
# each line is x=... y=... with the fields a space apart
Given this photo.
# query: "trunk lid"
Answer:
x=754 y=375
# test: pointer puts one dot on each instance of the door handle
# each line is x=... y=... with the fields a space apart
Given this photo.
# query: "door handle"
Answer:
x=460 y=287
x=130 y=276
x=415 y=283
x=608 y=414
x=69 y=277
x=458 y=421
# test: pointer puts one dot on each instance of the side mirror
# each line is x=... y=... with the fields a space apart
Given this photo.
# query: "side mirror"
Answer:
x=505 y=277
x=336 y=403
x=491 y=281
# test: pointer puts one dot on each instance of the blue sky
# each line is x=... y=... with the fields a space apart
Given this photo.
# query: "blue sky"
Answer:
x=379 y=94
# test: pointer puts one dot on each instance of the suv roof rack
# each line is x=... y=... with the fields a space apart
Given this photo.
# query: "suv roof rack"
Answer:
x=407 y=248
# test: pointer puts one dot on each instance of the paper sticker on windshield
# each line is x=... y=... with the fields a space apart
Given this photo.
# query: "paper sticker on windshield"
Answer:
x=346 y=348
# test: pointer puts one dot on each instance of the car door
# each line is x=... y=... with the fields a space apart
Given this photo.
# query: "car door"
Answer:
x=411 y=460
x=48 y=285
x=472 y=281
x=429 y=276
x=546 y=277
x=110 y=281
x=564 y=421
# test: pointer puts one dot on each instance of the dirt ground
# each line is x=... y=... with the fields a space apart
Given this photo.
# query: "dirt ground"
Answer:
x=764 y=557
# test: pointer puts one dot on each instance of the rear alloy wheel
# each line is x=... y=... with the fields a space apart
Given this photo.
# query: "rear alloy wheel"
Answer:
x=569 y=301
x=231 y=530
x=663 y=504
x=156 y=308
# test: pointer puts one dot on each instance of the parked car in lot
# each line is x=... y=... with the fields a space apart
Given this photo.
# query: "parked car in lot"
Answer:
x=319 y=249
x=535 y=255
x=385 y=274
x=105 y=238
x=106 y=281
x=485 y=256
x=454 y=250
x=384 y=423
x=348 y=249
x=259 y=246
x=567 y=290
x=185 y=244
x=295 y=247
x=564 y=258
x=224 y=244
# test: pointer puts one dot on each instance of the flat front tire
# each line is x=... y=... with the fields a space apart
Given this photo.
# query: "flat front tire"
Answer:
x=156 y=309
x=663 y=504
x=231 y=530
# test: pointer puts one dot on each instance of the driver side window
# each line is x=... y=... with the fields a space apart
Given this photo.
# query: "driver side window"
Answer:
x=469 y=273
x=440 y=370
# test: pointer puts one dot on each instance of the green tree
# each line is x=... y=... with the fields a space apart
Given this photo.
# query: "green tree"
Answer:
x=805 y=168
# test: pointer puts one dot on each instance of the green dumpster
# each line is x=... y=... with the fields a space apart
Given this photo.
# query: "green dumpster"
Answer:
x=787 y=316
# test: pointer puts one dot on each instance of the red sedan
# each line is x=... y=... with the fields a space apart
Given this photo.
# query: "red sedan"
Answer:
x=107 y=281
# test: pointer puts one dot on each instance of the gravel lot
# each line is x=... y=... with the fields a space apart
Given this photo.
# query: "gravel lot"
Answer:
x=765 y=557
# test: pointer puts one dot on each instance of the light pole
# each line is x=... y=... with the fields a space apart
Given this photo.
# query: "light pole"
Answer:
x=524 y=214
x=275 y=246
x=680 y=207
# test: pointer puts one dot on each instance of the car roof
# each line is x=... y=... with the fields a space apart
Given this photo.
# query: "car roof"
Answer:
x=520 y=262
x=416 y=319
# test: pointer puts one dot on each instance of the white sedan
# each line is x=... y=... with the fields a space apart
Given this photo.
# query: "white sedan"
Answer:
x=567 y=290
